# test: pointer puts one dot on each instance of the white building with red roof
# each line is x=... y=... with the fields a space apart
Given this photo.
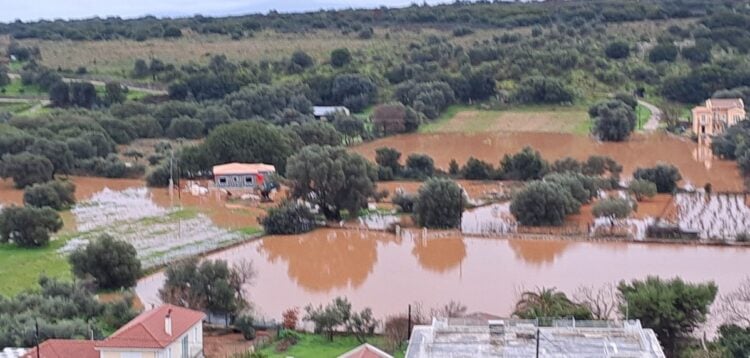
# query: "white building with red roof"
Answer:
x=64 y=348
x=242 y=175
x=167 y=331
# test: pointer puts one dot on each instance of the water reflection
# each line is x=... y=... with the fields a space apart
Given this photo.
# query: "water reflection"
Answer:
x=439 y=254
x=538 y=252
x=325 y=259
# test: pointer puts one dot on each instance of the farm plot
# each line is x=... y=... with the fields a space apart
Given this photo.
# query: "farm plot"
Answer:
x=713 y=216
x=159 y=235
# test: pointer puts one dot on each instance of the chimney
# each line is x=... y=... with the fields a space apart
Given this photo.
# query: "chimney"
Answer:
x=168 y=322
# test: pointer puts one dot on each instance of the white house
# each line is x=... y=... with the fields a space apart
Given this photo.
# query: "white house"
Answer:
x=164 y=332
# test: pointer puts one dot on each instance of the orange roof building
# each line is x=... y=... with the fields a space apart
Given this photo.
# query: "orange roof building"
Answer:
x=64 y=348
x=166 y=331
x=242 y=175
x=716 y=115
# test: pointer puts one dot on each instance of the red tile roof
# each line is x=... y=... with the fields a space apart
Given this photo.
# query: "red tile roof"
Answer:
x=64 y=348
x=148 y=331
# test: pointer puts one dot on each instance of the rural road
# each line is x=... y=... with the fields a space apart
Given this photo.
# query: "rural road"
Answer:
x=151 y=91
x=653 y=121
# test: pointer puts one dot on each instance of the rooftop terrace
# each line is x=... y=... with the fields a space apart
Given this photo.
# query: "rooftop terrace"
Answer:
x=518 y=338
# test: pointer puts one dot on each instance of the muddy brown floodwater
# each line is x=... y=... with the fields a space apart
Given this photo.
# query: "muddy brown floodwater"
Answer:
x=695 y=164
x=388 y=272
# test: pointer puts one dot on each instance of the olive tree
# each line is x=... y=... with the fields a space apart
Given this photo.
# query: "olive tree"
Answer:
x=440 y=203
x=111 y=263
x=332 y=178
x=543 y=203
x=56 y=194
x=288 y=218
x=613 y=208
x=28 y=226
x=664 y=176
x=642 y=188
x=26 y=169
x=614 y=120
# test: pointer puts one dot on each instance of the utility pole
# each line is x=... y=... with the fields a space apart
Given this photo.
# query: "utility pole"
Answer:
x=537 y=342
x=36 y=336
x=408 y=332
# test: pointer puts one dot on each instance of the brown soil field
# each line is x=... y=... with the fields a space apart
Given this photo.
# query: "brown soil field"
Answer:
x=559 y=120
x=639 y=151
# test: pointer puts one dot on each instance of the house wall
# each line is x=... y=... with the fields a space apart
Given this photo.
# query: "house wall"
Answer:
x=236 y=181
x=126 y=354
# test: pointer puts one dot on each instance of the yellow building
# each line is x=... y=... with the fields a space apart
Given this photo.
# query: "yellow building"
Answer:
x=716 y=115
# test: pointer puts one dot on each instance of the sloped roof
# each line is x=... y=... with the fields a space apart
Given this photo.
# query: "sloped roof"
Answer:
x=366 y=351
x=64 y=348
x=725 y=103
x=242 y=168
x=147 y=330
x=319 y=111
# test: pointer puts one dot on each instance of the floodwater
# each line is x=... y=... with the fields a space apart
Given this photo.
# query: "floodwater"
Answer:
x=387 y=272
x=695 y=164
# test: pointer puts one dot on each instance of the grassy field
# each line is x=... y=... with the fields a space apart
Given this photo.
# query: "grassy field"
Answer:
x=517 y=119
x=643 y=114
x=21 y=267
x=17 y=89
x=318 y=346
x=14 y=107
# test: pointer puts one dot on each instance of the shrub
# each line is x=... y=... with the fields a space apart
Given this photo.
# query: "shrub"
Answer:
x=389 y=158
x=28 y=226
x=112 y=263
x=538 y=89
x=290 y=318
x=244 y=324
x=663 y=53
x=542 y=203
x=159 y=176
x=56 y=194
x=340 y=57
x=525 y=165
x=288 y=218
x=642 y=189
x=440 y=204
x=419 y=166
x=185 y=127
x=614 y=120
x=476 y=169
x=26 y=169
x=581 y=187
x=663 y=175
x=405 y=202
x=743 y=237
x=617 y=50
x=613 y=207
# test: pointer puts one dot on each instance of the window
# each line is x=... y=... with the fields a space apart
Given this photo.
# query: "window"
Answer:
x=185 y=347
x=130 y=355
x=248 y=179
x=223 y=180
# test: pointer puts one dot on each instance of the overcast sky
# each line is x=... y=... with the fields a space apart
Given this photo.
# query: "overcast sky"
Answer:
x=29 y=10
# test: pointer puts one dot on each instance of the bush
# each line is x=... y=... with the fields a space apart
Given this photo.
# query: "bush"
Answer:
x=617 y=50
x=244 y=324
x=112 y=263
x=288 y=218
x=185 y=127
x=542 y=203
x=525 y=165
x=26 y=169
x=663 y=175
x=538 y=89
x=405 y=202
x=440 y=204
x=28 y=226
x=663 y=53
x=613 y=207
x=419 y=166
x=581 y=187
x=159 y=176
x=340 y=57
x=476 y=169
x=642 y=189
x=56 y=194
x=614 y=120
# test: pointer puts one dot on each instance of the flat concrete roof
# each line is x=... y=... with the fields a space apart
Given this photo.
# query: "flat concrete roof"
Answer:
x=457 y=338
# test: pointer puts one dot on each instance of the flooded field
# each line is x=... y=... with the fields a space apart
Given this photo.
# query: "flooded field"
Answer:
x=387 y=272
x=696 y=166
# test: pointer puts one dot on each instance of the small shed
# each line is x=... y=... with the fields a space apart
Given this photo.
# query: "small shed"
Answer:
x=242 y=175
x=321 y=112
